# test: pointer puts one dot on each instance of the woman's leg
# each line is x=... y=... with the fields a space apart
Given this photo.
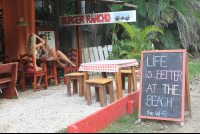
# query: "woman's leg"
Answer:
x=58 y=53
x=52 y=53
x=39 y=69
x=63 y=57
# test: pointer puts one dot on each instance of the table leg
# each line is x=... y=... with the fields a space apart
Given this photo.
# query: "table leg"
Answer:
x=75 y=87
x=111 y=92
x=55 y=73
x=68 y=86
x=102 y=93
x=45 y=69
x=130 y=83
x=104 y=75
x=97 y=94
x=88 y=93
x=134 y=79
x=118 y=77
x=86 y=77
x=81 y=86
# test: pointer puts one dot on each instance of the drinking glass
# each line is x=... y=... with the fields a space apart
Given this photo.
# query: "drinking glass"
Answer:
x=37 y=56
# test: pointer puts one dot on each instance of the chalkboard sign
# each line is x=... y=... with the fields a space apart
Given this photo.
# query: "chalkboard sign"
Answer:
x=162 y=85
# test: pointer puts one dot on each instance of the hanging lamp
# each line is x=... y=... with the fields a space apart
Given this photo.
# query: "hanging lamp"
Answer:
x=21 y=21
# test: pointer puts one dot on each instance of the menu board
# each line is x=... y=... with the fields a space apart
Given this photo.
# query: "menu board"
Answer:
x=162 y=85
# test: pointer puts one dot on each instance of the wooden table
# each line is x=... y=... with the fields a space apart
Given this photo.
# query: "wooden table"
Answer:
x=115 y=66
x=44 y=61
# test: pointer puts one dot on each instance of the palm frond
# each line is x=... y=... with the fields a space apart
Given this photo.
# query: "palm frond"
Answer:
x=141 y=10
x=163 y=4
x=127 y=28
x=167 y=39
x=196 y=16
x=182 y=10
x=168 y=15
x=150 y=38
x=153 y=10
x=149 y=29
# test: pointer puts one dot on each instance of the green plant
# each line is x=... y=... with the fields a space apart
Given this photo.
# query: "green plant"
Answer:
x=180 y=20
x=135 y=40
x=193 y=68
x=44 y=13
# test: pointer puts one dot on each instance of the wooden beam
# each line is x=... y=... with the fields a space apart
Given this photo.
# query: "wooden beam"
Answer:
x=78 y=35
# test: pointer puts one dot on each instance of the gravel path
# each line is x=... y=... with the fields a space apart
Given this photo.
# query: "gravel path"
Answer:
x=46 y=111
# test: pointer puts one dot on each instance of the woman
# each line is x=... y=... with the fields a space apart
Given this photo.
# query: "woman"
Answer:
x=30 y=49
x=45 y=50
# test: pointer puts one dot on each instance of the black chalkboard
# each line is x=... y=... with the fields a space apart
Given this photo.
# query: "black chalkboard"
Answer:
x=162 y=85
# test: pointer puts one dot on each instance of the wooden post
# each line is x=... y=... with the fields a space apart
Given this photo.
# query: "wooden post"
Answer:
x=78 y=35
x=187 y=88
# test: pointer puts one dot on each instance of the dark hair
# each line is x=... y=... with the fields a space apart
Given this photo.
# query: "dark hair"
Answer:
x=38 y=41
x=41 y=35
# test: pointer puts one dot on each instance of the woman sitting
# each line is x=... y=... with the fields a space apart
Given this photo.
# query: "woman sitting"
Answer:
x=30 y=49
x=45 y=50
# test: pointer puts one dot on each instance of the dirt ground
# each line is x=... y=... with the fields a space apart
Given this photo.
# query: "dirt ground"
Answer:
x=191 y=123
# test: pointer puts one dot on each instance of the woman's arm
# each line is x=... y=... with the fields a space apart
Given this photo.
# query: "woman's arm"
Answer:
x=41 y=41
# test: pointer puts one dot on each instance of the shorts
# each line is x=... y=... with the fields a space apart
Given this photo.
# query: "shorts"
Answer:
x=30 y=69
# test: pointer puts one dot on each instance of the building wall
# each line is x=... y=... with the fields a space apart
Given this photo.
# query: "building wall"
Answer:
x=16 y=37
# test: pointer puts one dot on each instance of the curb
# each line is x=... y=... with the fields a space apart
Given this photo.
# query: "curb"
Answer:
x=105 y=116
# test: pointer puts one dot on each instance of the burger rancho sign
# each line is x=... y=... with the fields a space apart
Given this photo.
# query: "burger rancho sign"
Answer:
x=98 y=18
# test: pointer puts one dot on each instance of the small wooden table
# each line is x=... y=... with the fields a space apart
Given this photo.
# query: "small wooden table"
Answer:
x=53 y=59
x=111 y=66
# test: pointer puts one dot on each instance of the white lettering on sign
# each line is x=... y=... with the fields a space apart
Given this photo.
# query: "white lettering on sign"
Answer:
x=154 y=100
x=159 y=59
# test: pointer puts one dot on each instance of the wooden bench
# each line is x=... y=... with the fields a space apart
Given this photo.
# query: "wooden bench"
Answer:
x=75 y=77
x=8 y=84
x=100 y=90
x=128 y=73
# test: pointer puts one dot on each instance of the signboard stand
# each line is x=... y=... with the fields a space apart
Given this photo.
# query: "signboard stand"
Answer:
x=164 y=85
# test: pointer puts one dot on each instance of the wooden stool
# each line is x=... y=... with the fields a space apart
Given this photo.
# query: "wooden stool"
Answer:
x=100 y=90
x=128 y=73
x=74 y=77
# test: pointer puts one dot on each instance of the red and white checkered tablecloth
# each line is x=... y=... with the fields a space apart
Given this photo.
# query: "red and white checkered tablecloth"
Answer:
x=107 y=65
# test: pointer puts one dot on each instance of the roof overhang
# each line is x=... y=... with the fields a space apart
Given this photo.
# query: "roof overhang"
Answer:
x=112 y=2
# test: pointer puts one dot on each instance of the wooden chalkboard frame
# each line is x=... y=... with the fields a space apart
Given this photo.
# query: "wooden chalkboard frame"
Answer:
x=186 y=101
